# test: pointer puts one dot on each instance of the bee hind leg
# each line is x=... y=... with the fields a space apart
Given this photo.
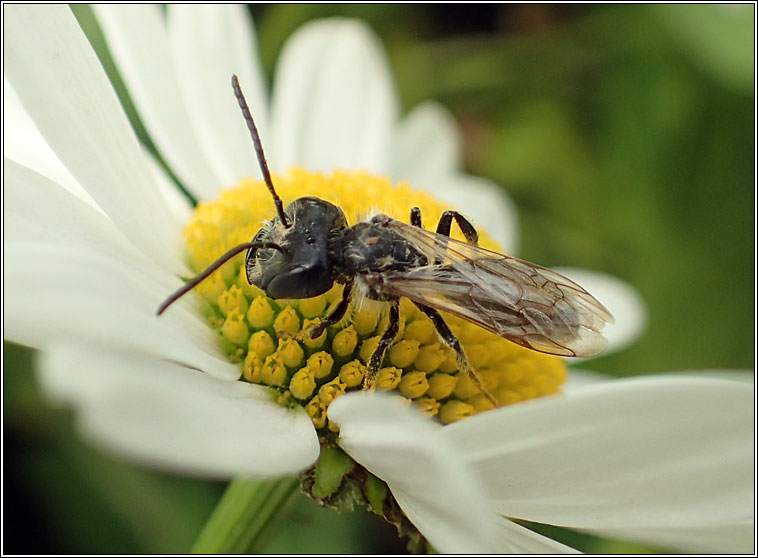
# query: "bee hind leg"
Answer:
x=468 y=230
x=446 y=222
x=375 y=362
x=416 y=217
x=449 y=338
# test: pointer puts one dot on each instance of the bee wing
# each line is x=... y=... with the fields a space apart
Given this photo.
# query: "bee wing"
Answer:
x=515 y=299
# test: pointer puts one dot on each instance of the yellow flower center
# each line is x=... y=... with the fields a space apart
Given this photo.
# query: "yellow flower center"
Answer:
x=260 y=333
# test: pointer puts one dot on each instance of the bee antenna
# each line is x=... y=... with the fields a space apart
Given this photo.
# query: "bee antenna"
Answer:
x=221 y=260
x=259 y=150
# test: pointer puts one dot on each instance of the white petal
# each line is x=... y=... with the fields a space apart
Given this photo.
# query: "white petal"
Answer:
x=58 y=78
x=485 y=203
x=333 y=102
x=138 y=41
x=69 y=293
x=172 y=417
x=667 y=461
x=426 y=146
x=745 y=376
x=580 y=379
x=427 y=478
x=176 y=202
x=37 y=209
x=24 y=144
x=515 y=539
x=718 y=539
x=209 y=43
x=623 y=301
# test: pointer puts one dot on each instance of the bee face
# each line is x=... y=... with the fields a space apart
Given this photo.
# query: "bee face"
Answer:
x=302 y=269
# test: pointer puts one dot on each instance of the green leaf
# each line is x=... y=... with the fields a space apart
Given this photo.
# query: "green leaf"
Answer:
x=376 y=493
x=333 y=465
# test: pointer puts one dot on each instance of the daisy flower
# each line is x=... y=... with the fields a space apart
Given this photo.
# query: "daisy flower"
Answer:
x=96 y=237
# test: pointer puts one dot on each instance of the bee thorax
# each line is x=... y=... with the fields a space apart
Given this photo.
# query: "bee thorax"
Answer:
x=371 y=287
x=373 y=248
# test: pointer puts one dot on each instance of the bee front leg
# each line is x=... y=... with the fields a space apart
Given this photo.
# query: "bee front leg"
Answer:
x=375 y=362
x=335 y=315
x=449 y=338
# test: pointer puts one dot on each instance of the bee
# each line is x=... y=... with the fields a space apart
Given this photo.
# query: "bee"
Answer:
x=309 y=246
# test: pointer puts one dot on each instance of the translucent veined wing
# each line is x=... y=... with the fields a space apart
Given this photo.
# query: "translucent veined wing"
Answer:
x=515 y=299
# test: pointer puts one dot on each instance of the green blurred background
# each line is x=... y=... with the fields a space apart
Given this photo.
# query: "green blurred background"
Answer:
x=625 y=135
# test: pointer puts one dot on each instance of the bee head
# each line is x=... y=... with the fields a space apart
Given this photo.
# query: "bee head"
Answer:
x=302 y=269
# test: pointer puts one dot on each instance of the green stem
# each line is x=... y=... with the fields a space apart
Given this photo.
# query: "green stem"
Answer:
x=243 y=515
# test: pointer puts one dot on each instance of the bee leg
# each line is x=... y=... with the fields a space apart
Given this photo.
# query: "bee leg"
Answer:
x=335 y=315
x=468 y=230
x=375 y=362
x=449 y=338
x=446 y=222
x=416 y=217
